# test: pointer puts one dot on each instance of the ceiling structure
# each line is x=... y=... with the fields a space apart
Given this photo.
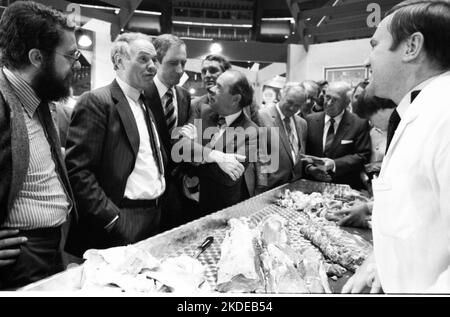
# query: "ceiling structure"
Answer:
x=277 y=21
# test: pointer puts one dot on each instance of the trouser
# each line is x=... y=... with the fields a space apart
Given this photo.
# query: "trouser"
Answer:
x=40 y=257
x=138 y=221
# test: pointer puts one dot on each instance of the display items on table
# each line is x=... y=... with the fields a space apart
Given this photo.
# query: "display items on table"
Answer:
x=326 y=205
x=256 y=246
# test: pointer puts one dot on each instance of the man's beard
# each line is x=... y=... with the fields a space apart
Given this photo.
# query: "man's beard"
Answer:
x=49 y=86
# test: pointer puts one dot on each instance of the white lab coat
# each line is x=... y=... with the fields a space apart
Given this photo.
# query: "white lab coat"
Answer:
x=411 y=215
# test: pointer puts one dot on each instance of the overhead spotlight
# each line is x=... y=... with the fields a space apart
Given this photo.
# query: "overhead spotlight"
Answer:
x=84 y=41
x=192 y=91
x=215 y=48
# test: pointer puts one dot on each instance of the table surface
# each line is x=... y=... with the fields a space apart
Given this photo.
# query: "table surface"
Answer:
x=185 y=239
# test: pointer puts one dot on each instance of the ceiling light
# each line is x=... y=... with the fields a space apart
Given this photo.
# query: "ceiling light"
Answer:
x=215 y=48
x=84 y=41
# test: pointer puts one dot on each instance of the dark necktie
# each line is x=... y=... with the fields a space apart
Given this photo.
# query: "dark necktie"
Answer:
x=394 y=121
x=152 y=135
x=169 y=111
x=330 y=137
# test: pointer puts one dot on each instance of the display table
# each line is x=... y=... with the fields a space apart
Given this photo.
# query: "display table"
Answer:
x=186 y=238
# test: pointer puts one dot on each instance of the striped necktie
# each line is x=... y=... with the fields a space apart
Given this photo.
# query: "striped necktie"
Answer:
x=169 y=111
x=294 y=145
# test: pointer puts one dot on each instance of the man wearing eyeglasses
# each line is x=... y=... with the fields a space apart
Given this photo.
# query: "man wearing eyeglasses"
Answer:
x=36 y=200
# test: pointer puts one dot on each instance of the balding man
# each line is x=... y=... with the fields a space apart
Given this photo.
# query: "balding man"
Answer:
x=291 y=134
x=340 y=138
x=116 y=161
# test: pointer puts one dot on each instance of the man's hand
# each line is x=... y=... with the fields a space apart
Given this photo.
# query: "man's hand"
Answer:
x=318 y=174
x=229 y=163
x=328 y=165
x=9 y=246
x=365 y=276
x=189 y=131
x=356 y=216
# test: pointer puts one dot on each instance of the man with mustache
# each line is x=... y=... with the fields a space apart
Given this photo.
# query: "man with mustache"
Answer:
x=115 y=157
x=36 y=201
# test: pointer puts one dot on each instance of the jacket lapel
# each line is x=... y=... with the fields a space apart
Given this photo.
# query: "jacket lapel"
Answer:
x=20 y=150
x=317 y=131
x=181 y=105
x=282 y=132
x=154 y=101
x=344 y=125
x=126 y=115
x=300 y=133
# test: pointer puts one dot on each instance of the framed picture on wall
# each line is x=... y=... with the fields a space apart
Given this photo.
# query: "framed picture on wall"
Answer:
x=351 y=74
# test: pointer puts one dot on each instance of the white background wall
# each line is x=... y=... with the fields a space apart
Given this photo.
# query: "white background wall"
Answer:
x=304 y=65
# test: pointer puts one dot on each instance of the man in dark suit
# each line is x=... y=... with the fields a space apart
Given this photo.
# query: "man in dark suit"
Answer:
x=36 y=201
x=290 y=137
x=115 y=157
x=227 y=135
x=171 y=105
x=341 y=138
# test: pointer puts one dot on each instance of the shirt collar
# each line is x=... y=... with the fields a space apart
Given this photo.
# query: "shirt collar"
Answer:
x=232 y=117
x=406 y=101
x=162 y=89
x=129 y=91
x=337 y=119
x=27 y=96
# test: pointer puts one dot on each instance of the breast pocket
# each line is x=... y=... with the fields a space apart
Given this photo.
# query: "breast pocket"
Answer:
x=393 y=215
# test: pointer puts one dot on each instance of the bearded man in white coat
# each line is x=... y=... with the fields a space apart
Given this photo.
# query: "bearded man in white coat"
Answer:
x=410 y=63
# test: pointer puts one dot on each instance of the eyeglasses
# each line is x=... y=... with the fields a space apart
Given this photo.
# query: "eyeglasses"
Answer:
x=74 y=57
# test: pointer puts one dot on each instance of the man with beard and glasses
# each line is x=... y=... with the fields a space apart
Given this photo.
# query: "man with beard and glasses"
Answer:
x=36 y=201
x=115 y=157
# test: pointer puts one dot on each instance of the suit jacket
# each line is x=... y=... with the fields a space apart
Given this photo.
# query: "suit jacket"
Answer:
x=15 y=151
x=411 y=209
x=101 y=150
x=287 y=171
x=350 y=150
x=217 y=189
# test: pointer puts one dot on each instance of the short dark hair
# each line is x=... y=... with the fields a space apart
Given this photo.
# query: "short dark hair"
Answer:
x=362 y=84
x=242 y=87
x=222 y=60
x=367 y=105
x=26 y=25
x=429 y=17
x=163 y=42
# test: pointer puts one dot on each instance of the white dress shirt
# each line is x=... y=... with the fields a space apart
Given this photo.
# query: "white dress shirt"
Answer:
x=293 y=129
x=162 y=90
x=145 y=181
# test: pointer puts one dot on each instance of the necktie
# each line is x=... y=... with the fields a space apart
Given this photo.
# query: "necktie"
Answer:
x=414 y=94
x=394 y=121
x=152 y=135
x=330 y=137
x=169 y=111
x=220 y=123
x=294 y=145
